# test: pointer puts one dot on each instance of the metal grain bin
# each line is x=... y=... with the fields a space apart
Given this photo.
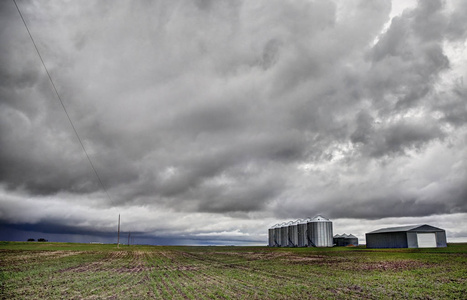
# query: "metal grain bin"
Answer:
x=271 y=237
x=277 y=235
x=293 y=234
x=345 y=240
x=352 y=240
x=320 y=232
x=284 y=234
x=272 y=242
x=302 y=232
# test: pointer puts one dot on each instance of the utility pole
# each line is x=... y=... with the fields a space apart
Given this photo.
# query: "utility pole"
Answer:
x=129 y=238
x=118 y=238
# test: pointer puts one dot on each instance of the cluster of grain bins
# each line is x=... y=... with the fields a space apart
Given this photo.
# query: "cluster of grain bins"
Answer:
x=315 y=232
x=344 y=240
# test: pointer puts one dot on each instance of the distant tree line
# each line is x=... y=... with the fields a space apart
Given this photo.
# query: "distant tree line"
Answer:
x=39 y=240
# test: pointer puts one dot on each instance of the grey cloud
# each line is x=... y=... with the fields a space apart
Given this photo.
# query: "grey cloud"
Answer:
x=429 y=22
x=358 y=201
x=409 y=57
x=364 y=128
x=36 y=156
x=395 y=139
x=235 y=108
x=452 y=106
x=245 y=196
x=377 y=208
x=271 y=53
x=414 y=207
x=457 y=28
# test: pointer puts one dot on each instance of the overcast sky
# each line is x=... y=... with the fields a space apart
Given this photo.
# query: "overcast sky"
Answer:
x=210 y=121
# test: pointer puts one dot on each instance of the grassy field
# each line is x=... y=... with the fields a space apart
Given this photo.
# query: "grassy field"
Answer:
x=82 y=271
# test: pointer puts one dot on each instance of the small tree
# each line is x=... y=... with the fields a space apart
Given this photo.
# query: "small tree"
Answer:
x=31 y=240
x=41 y=240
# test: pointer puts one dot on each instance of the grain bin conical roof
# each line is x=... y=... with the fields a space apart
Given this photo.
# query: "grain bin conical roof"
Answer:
x=320 y=218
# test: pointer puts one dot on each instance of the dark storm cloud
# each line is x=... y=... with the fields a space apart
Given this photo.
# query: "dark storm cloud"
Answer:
x=394 y=139
x=457 y=28
x=452 y=105
x=57 y=227
x=224 y=112
x=408 y=58
x=395 y=204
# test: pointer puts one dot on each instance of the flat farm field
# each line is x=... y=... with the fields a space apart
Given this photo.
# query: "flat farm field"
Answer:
x=82 y=271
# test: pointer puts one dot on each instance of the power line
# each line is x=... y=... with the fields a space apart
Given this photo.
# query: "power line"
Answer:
x=61 y=102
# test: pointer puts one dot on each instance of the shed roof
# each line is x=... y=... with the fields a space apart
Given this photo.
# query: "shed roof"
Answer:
x=424 y=227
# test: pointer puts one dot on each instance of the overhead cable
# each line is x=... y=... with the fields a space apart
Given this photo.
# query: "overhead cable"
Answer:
x=61 y=102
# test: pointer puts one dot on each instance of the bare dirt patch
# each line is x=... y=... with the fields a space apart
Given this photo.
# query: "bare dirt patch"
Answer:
x=348 y=290
x=134 y=269
x=315 y=259
x=187 y=268
x=398 y=265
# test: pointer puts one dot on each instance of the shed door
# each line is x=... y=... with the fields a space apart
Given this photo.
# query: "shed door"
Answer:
x=426 y=240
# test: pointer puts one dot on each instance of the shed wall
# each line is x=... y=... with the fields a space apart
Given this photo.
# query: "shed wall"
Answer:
x=387 y=240
x=412 y=241
x=441 y=239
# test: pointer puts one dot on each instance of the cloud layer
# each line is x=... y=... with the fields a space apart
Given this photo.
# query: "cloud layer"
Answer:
x=214 y=118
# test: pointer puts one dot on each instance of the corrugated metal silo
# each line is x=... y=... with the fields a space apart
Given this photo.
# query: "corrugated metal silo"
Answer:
x=277 y=235
x=345 y=240
x=302 y=232
x=284 y=234
x=271 y=236
x=320 y=232
x=352 y=240
x=293 y=234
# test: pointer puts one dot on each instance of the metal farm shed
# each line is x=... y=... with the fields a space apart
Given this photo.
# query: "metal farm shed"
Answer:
x=345 y=240
x=413 y=236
